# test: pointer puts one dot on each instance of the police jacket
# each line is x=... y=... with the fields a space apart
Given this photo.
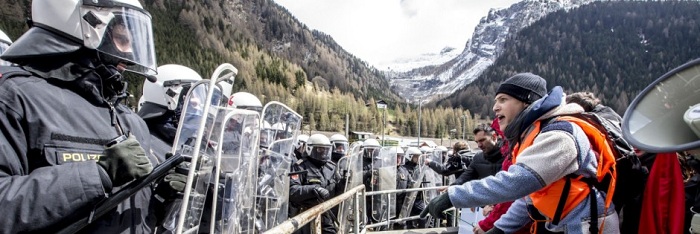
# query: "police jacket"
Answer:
x=301 y=189
x=483 y=165
x=303 y=196
x=403 y=179
x=55 y=126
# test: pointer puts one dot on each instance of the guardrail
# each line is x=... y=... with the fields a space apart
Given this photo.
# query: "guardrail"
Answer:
x=307 y=216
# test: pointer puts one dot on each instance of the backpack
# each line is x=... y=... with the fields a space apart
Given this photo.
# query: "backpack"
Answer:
x=631 y=176
x=627 y=177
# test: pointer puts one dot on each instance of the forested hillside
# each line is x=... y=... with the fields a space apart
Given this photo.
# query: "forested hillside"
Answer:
x=278 y=58
x=613 y=49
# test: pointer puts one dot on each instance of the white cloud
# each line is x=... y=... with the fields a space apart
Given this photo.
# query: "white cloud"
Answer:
x=383 y=30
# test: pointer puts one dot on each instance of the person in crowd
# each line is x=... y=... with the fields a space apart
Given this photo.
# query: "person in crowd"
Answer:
x=412 y=165
x=543 y=159
x=68 y=141
x=300 y=146
x=317 y=184
x=161 y=106
x=456 y=163
x=340 y=147
x=403 y=179
x=591 y=103
x=487 y=162
x=493 y=213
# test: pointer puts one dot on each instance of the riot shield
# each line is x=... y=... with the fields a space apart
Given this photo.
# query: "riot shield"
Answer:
x=384 y=178
x=235 y=172
x=272 y=197
x=350 y=170
x=432 y=179
x=284 y=124
x=418 y=177
x=193 y=139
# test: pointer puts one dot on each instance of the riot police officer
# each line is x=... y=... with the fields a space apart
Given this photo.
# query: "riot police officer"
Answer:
x=403 y=179
x=340 y=147
x=313 y=181
x=68 y=141
x=300 y=146
x=412 y=165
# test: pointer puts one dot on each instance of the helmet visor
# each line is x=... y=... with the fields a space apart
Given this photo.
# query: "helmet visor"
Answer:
x=320 y=152
x=340 y=147
x=127 y=37
x=371 y=152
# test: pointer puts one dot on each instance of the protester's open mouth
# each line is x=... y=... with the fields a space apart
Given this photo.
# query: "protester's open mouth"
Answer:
x=500 y=117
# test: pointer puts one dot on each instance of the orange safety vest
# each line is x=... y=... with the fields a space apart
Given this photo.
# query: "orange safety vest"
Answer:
x=546 y=200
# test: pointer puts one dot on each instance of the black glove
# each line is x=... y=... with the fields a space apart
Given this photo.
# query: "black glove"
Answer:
x=173 y=183
x=322 y=193
x=125 y=161
x=437 y=206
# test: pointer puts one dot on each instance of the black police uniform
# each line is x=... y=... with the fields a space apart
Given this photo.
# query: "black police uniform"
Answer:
x=55 y=125
x=403 y=179
x=302 y=195
x=418 y=204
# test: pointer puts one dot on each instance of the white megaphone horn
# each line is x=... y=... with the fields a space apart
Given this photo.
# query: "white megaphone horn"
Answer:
x=665 y=116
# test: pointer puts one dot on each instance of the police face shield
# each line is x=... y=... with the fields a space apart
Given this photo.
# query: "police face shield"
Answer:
x=267 y=136
x=320 y=153
x=371 y=152
x=126 y=36
x=193 y=112
x=3 y=47
x=400 y=159
x=340 y=149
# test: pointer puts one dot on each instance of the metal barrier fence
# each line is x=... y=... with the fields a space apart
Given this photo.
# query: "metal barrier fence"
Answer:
x=307 y=216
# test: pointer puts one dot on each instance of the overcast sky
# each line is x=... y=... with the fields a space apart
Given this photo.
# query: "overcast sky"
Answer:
x=379 y=31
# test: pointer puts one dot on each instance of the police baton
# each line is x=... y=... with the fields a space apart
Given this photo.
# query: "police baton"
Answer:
x=127 y=191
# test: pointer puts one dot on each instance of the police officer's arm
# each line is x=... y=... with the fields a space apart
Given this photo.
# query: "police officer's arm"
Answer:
x=41 y=198
x=552 y=156
x=299 y=193
x=469 y=174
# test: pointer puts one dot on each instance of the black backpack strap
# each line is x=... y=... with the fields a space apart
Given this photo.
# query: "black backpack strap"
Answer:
x=562 y=201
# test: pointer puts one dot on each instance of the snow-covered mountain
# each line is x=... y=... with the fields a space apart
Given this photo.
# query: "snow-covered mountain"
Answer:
x=434 y=77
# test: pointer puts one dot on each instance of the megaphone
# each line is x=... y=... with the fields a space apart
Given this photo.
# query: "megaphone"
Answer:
x=665 y=116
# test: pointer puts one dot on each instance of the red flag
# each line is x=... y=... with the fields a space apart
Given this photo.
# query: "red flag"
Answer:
x=664 y=197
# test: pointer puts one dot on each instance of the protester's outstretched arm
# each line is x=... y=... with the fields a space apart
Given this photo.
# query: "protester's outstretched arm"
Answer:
x=552 y=155
x=467 y=175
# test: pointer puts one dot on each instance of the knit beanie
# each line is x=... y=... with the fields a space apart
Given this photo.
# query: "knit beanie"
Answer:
x=526 y=87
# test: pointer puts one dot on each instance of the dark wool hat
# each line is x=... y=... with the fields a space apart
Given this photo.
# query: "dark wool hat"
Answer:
x=526 y=87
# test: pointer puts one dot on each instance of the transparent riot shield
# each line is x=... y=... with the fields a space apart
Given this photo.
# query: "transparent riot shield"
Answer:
x=384 y=178
x=432 y=178
x=350 y=170
x=235 y=178
x=194 y=140
x=418 y=177
x=284 y=124
x=272 y=197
